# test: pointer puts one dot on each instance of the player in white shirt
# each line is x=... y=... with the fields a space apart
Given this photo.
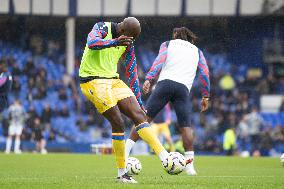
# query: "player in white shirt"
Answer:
x=174 y=69
x=5 y=86
x=17 y=117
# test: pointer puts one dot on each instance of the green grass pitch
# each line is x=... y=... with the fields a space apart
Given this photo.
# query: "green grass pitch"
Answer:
x=91 y=171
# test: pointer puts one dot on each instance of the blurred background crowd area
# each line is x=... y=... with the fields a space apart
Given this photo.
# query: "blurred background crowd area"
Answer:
x=245 y=57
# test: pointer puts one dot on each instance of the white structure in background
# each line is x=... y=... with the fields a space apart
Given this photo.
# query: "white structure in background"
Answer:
x=270 y=103
x=70 y=44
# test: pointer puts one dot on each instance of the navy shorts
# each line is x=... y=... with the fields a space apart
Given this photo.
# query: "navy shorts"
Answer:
x=174 y=92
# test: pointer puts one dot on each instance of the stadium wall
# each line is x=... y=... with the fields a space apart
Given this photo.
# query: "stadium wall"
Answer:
x=94 y=8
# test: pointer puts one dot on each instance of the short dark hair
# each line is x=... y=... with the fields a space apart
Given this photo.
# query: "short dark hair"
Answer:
x=185 y=34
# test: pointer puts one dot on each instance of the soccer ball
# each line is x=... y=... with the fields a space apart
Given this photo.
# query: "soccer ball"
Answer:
x=282 y=159
x=175 y=163
x=133 y=166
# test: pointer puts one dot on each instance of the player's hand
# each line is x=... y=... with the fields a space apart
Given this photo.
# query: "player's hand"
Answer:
x=146 y=87
x=204 y=104
x=124 y=40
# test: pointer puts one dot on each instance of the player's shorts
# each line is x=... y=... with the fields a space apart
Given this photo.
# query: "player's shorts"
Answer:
x=161 y=129
x=174 y=92
x=15 y=129
x=105 y=93
x=38 y=135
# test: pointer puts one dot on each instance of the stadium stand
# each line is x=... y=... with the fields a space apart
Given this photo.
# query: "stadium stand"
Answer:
x=40 y=82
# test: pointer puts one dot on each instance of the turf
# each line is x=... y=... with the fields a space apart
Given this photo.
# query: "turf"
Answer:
x=91 y=171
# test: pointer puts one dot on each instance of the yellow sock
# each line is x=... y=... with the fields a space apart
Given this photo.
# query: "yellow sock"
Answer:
x=146 y=133
x=118 y=145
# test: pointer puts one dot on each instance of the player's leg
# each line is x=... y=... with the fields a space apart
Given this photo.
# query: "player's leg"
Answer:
x=38 y=135
x=169 y=141
x=165 y=131
x=156 y=129
x=8 y=144
x=157 y=100
x=130 y=142
x=188 y=139
x=11 y=132
x=42 y=146
x=131 y=109
x=133 y=138
x=100 y=93
x=181 y=104
x=113 y=115
x=17 y=145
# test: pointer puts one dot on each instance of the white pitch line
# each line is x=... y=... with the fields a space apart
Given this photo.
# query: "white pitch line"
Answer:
x=55 y=178
x=87 y=177
x=236 y=176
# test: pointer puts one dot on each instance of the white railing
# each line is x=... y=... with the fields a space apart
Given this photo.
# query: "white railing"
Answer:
x=97 y=8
